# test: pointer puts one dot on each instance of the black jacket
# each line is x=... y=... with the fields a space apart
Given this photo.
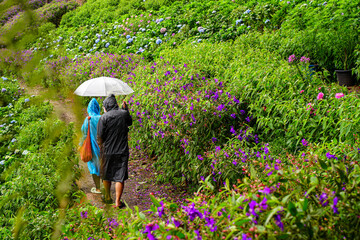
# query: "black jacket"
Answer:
x=112 y=129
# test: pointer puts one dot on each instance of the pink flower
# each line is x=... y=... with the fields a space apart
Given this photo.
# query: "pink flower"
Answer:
x=301 y=91
x=304 y=59
x=339 y=95
x=292 y=58
x=173 y=34
x=320 y=96
x=163 y=30
x=149 y=14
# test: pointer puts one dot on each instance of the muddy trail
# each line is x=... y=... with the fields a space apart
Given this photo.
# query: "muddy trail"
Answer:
x=142 y=175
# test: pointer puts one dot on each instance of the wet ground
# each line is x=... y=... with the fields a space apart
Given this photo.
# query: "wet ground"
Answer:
x=141 y=183
x=142 y=175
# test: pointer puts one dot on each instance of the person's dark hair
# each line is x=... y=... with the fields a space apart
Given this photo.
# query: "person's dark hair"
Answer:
x=110 y=103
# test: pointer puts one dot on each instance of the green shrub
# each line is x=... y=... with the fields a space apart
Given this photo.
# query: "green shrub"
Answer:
x=46 y=28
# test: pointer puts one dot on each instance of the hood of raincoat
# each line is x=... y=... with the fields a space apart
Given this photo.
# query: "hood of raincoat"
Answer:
x=110 y=103
x=93 y=108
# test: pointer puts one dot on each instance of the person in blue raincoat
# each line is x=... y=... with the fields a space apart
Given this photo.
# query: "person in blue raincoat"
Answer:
x=94 y=164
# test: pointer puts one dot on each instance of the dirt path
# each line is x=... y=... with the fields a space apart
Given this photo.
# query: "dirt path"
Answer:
x=142 y=176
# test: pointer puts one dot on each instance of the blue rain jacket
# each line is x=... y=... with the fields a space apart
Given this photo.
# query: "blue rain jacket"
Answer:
x=94 y=112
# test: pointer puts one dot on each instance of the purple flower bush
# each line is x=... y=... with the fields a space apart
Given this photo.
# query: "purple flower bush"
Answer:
x=52 y=12
x=169 y=109
x=262 y=205
x=71 y=73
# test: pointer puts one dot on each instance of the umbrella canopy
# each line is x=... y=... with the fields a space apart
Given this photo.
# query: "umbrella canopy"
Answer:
x=103 y=86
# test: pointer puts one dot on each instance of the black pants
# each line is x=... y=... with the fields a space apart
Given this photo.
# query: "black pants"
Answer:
x=114 y=168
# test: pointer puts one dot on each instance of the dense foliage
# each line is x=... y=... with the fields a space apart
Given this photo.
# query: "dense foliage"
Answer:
x=36 y=155
x=227 y=99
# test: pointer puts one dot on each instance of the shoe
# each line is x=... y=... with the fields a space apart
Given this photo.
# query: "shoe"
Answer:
x=109 y=201
x=93 y=190
x=122 y=205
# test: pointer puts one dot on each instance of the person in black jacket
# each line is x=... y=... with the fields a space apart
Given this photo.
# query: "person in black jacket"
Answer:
x=112 y=133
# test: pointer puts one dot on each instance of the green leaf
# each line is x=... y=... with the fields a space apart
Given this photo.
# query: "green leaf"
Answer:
x=323 y=164
x=142 y=216
x=252 y=173
x=286 y=198
x=292 y=209
x=241 y=222
x=274 y=211
x=314 y=180
x=229 y=235
x=305 y=205
x=310 y=190
x=155 y=201
x=180 y=235
x=283 y=236
x=342 y=175
x=173 y=207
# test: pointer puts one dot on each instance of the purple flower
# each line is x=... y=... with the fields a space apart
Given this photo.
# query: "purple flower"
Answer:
x=245 y=237
x=233 y=115
x=278 y=222
x=3 y=90
x=331 y=156
x=113 y=223
x=161 y=209
x=202 y=178
x=252 y=206
x=176 y=222
x=200 y=157
x=336 y=210
x=266 y=190
x=304 y=142
x=221 y=107
x=192 y=211
x=263 y=204
x=149 y=228
x=214 y=139
x=323 y=199
x=266 y=150
x=84 y=214
x=242 y=112
x=198 y=236
x=210 y=222
x=232 y=130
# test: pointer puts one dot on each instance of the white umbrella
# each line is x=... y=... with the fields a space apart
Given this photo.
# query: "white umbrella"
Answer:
x=103 y=86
